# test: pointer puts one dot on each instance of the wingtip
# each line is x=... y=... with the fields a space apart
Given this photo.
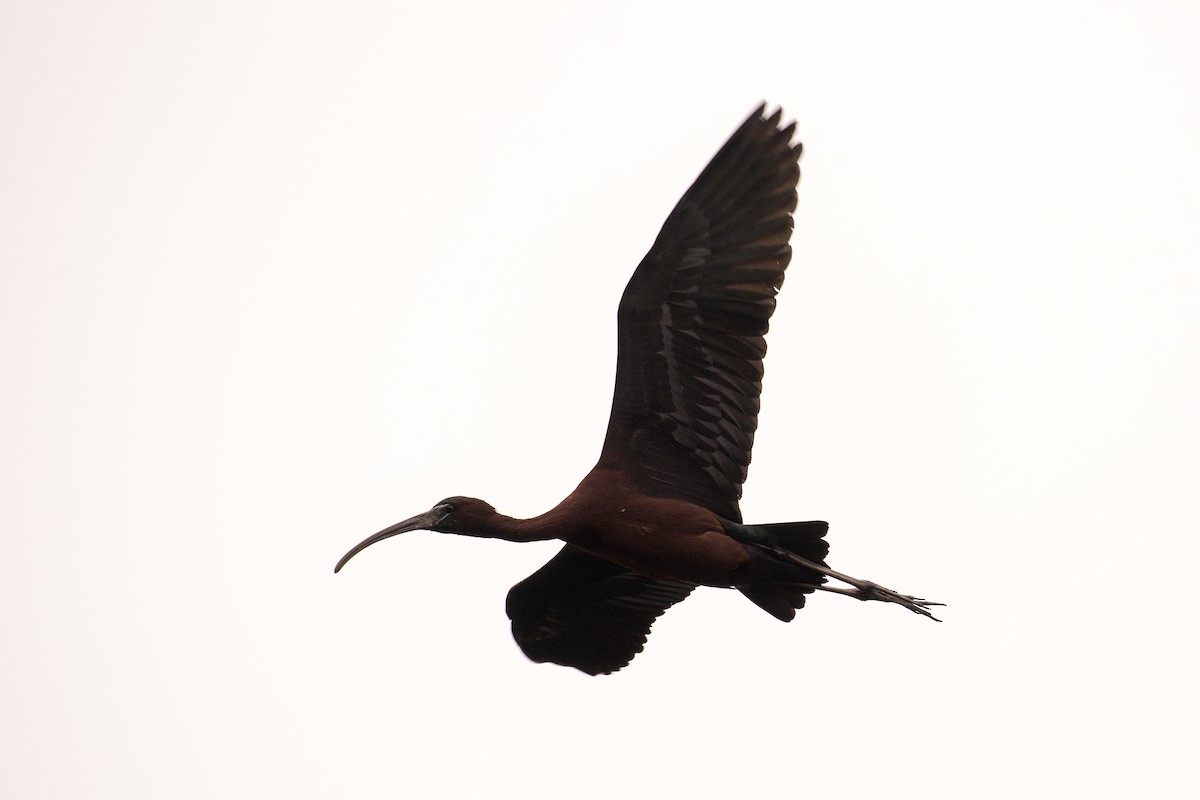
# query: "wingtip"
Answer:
x=774 y=120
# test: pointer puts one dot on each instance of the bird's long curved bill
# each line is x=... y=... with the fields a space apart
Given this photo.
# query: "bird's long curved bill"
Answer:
x=417 y=523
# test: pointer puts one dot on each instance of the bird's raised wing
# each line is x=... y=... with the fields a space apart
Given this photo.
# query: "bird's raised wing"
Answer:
x=585 y=612
x=692 y=321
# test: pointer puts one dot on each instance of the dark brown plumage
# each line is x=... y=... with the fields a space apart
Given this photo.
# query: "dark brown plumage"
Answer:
x=658 y=515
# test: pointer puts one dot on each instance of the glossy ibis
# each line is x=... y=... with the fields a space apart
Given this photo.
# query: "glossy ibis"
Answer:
x=658 y=515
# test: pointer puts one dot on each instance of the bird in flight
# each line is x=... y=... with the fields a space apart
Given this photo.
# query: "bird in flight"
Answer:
x=658 y=515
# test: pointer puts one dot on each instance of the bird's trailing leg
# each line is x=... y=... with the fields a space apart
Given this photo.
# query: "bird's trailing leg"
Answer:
x=863 y=590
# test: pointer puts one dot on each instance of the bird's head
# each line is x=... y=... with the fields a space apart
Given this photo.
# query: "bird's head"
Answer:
x=464 y=515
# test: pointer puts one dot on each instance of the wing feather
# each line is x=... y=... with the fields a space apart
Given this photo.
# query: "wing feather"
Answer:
x=585 y=612
x=692 y=322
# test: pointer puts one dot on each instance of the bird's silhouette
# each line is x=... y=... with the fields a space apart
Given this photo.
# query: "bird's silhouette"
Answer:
x=658 y=515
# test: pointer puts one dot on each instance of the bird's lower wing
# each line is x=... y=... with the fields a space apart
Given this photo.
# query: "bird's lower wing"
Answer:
x=585 y=612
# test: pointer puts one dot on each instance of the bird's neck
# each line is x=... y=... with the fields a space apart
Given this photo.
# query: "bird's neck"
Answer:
x=498 y=526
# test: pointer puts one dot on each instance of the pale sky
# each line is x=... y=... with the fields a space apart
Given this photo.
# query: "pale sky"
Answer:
x=276 y=275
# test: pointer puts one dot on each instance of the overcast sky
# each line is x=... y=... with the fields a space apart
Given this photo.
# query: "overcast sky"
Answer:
x=274 y=275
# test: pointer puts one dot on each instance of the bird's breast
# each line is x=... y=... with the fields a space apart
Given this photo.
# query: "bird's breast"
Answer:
x=665 y=539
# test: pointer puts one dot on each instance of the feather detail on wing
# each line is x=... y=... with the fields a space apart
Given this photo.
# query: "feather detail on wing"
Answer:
x=692 y=321
x=585 y=612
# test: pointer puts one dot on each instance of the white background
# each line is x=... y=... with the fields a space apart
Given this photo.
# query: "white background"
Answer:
x=276 y=275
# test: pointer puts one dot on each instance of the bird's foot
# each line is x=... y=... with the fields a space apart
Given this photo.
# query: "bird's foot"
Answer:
x=873 y=591
x=863 y=590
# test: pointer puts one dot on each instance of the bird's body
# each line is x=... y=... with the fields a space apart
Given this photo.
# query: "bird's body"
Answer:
x=658 y=537
x=659 y=513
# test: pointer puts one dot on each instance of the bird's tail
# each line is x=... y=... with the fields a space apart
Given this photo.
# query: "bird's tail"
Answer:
x=775 y=584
